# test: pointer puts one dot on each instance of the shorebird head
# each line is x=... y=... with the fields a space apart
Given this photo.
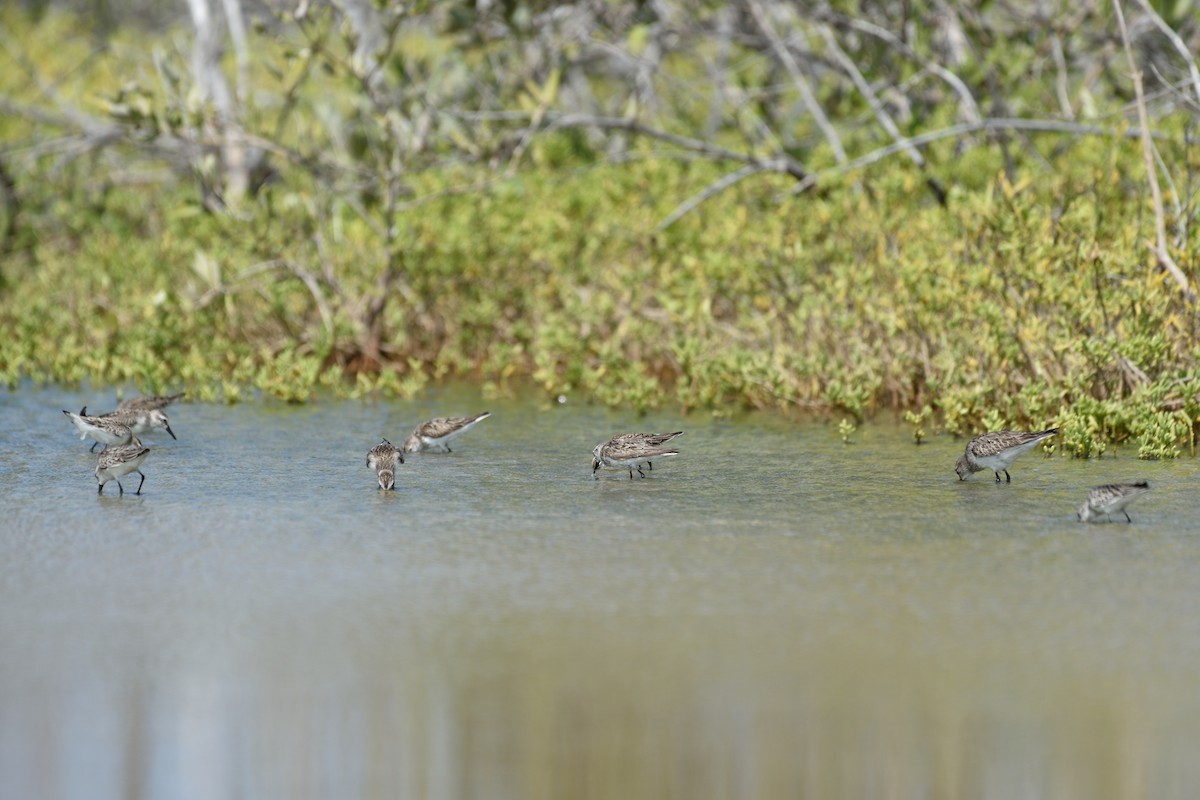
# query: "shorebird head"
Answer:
x=963 y=467
x=159 y=420
x=596 y=458
x=387 y=479
x=1084 y=513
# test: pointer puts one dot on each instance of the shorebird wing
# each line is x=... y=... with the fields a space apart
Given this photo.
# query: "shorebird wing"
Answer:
x=152 y=403
x=624 y=451
x=644 y=439
x=990 y=444
x=382 y=455
x=444 y=426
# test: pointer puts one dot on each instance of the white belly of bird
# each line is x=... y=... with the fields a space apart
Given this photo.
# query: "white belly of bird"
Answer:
x=626 y=462
x=121 y=469
x=1115 y=504
x=441 y=445
x=101 y=435
x=996 y=463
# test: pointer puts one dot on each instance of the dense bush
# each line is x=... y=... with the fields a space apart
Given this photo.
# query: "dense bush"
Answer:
x=1027 y=299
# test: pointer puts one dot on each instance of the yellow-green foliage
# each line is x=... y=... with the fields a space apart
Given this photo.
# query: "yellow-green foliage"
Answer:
x=1029 y=301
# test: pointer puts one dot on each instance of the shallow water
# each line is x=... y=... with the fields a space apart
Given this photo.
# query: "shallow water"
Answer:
x=769 y=614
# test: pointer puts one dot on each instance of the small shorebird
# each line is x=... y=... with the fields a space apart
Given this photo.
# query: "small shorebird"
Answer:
x=997 y=450
x=140 y=421
x=1109 y=498
x=150 y=403
x=435 y=435
x=105 y=430
x=117 y=461
x=383 y=458
x=631 y=450
x=644 y=440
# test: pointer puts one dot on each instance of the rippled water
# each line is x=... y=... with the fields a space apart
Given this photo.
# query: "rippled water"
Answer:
x=770 y=614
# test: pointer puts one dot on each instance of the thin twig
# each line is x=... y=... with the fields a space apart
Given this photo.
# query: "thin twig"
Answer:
x=1060 y=81
x=966 y=99
x=1160 y=221
x=710 y=191
x=806 y=93
x=781 y=163
x=881 y=114
x=1177 y=42
x=954 y=131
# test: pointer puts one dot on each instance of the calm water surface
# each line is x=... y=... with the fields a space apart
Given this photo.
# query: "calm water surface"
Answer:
x=770 y=614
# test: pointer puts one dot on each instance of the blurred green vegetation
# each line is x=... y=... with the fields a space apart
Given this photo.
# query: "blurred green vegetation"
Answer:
x=1028 y=300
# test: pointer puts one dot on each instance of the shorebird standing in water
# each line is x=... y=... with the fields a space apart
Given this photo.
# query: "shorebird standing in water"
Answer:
x=631 y=450
x=997 y=450
x=382 y=458
x=116 y=461
x=435 y=435
x=140 y=420
x=1112 y=497
x=105 y=430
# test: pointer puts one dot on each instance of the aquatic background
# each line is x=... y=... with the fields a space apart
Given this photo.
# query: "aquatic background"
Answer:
x=771 y=613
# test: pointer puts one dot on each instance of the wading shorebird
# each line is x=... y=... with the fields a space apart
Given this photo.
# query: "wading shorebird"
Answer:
x=1110 y=498
x=383 y=458
x=631 y=450
x=116 y=461
x=104 y=430
x=435 y=435
x=649 y=440
x=997 y=450
x=140 y=421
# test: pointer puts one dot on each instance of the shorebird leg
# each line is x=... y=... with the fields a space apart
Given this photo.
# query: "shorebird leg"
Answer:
x=1126 y=513
x=639 y=469
x=93 y=447
x=1007 y=477
x=143 y=480
x=650 y=464
x=100 y=489
x=122 y=488
x=631 y=473
x=997 y=476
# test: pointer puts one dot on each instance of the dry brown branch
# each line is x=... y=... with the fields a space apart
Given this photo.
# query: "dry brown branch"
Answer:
x=1160 y=222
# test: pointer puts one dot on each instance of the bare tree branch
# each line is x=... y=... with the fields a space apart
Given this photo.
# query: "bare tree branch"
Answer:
x=371 y=38
x=1160 y=222
x=881 y=114
x=1178 y=43
x=970 y=108
x=955 y=131
x=1060 y=82
x=710 y=191
x=806 y=93
x=785 y=164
